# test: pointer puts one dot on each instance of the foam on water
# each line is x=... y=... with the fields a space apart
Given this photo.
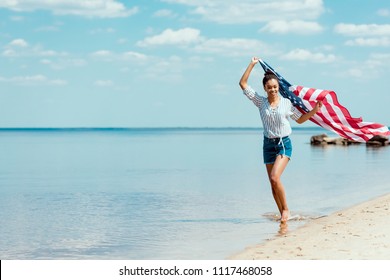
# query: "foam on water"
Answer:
x=273 y=216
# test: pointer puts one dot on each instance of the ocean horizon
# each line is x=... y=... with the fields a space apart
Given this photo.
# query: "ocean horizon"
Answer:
x=166 y=193
x=141 y=128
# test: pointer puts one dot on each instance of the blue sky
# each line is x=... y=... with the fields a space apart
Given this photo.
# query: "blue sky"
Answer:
x=168 y=63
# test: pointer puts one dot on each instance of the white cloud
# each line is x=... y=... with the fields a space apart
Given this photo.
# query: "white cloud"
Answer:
x=135 y=56
x=167 y=70
x=47 y=28
x=92 y=8
x=33 y=80
x=381 y=56
x=18 y=43
x=379 y=60
x=191 y=39
x=57 y=82
x=63 y=63
x=294 y=26
x=164 y=13
x=221 y=89
x=9 y=53
x=102 y=53
x=102 y=30
x=125 y=57
x=122 y=40
x=17 y=18
x=103 y=83
x=234 y=47
x=249 y=11
x=377 y=65
x=326 y=48
x=368 y=35
x=305 y=55
x=179 y=37
x=359 y=30
x=369 y=42
x=46 y=61
x=355 y=73
x=21 y=48
x=383 y=12
x=48 y=53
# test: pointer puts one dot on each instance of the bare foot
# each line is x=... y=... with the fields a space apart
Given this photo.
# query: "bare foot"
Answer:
x=285 y=216
x=283 y=229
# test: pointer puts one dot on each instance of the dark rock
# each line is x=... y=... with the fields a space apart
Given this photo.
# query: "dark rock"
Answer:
x=318 y=139
x=323 y=139
x=378 y=140
x=346 y=141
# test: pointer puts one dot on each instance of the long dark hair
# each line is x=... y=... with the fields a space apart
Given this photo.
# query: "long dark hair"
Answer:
x=268 y=75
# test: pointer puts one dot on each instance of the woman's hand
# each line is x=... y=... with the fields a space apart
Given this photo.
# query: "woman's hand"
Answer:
x=244 y=79
x=317 y=107
x=255 y=60
x=311 y=113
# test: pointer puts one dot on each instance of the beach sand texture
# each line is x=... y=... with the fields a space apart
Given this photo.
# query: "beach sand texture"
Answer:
x=361 y=232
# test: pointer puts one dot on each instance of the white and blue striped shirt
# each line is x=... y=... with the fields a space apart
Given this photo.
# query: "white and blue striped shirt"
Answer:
x=275 y=120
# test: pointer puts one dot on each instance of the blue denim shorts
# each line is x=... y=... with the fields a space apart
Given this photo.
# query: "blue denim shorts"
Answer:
x=272 y=147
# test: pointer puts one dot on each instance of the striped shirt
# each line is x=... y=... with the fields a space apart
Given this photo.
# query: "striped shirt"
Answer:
x=275 y=120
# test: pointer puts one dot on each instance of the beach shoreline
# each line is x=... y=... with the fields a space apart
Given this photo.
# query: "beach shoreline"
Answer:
x=360 y=232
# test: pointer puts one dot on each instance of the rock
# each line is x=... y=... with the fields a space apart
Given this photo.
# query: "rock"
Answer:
x=346 y=141
x=330 y=140
x=318 y=139
x=378 y=140
x=323 y=139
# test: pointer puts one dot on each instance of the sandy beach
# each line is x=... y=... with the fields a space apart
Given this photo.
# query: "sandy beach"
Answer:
x=361 y=232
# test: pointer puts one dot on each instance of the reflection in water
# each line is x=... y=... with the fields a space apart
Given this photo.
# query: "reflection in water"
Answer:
x=283 y=229
x=293 y=217
x=295 y=220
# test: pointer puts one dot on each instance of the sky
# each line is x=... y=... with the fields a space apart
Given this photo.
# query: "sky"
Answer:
x=177 y=63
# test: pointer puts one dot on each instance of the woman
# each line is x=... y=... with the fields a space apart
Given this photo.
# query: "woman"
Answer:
x=274 y=112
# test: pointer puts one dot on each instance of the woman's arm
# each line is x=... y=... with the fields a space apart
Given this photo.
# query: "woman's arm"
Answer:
x=245 y=76
x=308 y=115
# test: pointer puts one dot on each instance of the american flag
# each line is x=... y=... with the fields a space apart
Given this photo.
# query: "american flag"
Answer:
x=332 y=116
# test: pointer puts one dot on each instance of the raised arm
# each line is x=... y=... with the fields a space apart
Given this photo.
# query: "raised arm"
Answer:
x=244 y=79
x=308 y=115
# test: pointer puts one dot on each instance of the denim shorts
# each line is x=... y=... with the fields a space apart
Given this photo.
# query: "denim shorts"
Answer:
x=272 y=147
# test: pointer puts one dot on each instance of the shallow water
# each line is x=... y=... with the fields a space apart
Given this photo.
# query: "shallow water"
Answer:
x=165 y=193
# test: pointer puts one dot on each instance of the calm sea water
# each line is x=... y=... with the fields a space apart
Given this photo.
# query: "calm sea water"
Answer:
x=165 y=193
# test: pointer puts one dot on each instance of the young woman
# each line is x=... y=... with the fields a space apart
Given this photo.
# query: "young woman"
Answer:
x=274 y=112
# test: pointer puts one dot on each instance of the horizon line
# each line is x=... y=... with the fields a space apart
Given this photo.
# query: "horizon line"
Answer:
x=147 y=127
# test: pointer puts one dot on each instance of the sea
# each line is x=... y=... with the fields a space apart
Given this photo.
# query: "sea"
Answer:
x=166 y=193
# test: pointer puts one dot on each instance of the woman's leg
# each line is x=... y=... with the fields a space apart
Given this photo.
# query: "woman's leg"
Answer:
x=275 y=171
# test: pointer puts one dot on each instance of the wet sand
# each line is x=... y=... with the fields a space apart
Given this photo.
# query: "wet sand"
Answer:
x=361 y=232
